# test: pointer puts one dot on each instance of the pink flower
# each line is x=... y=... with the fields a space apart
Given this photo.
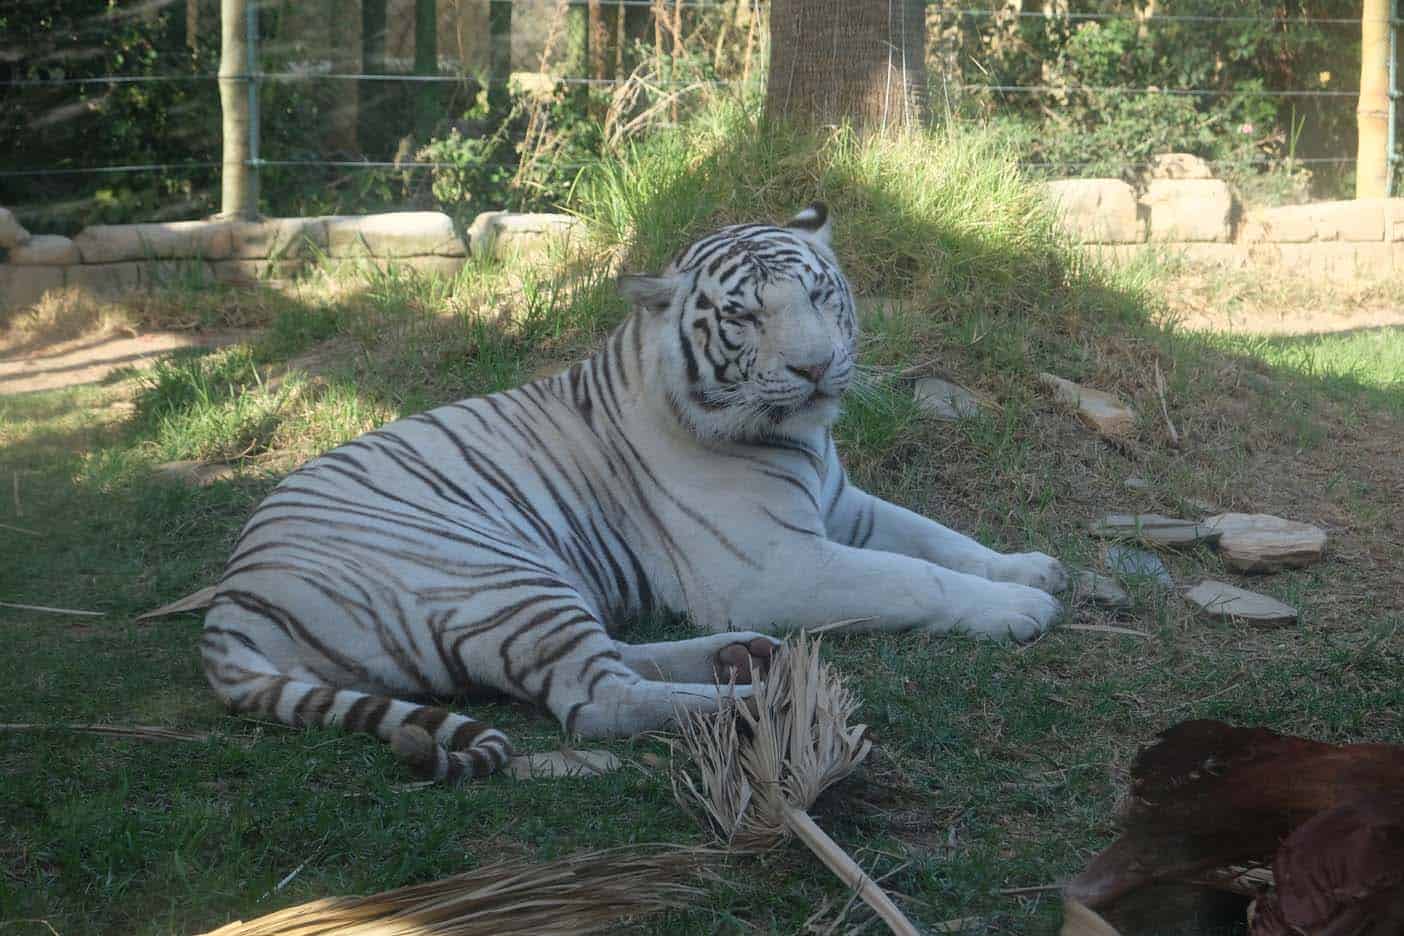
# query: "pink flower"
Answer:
x=1246 y=129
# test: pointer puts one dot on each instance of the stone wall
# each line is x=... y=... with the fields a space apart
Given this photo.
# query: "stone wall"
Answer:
x=111 y=258
x=1200 y=219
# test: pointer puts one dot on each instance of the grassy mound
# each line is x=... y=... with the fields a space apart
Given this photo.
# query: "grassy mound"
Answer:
x=998 y=767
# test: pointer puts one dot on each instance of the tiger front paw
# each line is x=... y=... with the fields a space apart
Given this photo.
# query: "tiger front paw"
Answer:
x=1034 y=569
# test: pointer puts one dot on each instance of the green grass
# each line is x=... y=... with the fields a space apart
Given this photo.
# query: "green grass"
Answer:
x=995 y=767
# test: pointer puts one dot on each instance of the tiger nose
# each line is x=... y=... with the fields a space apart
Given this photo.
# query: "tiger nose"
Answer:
x=814 y=372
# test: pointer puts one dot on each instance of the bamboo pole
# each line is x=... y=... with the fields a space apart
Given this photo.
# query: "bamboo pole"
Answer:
x=238 y=180
x=1372 y=112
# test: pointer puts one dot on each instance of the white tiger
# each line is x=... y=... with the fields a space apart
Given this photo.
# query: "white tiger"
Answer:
x=496 y=543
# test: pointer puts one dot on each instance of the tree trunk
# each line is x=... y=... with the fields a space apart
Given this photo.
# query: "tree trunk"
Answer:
x=343 y=48
x=238 y=180
x=426 y=62
x=1372 y=113
x=500 y=32
x=373 y=93
x=597 y=40
x=835 y=61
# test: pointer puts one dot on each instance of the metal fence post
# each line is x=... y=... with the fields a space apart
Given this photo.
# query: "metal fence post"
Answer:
x=238 y=98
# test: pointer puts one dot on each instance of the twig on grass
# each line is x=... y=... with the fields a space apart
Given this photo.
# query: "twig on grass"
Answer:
x=1106 y=629
x=15 y=529
x=1164 y=407
x=48 y=610
x=133 y=732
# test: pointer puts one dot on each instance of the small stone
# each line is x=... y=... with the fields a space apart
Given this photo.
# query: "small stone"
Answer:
x=194 y=473
x=1152 y=529
x=945 y=400
x=396 y=234
x=1264 y=543
x=1128 y=562
x=563 y=764
x=1178 y=166
x=44 y=250
x=12 y=234
x=1098 y=409
x=1136 y=484
x=1100 y=590
x=1223 y=601
x=506 y=234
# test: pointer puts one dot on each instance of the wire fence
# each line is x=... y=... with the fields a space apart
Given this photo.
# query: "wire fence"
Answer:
x=990 y=92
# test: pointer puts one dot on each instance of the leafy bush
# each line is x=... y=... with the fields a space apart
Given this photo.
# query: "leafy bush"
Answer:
x=1233 y=54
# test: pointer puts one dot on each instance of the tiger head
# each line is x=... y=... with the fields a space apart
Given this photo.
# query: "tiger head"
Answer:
x=753 y=328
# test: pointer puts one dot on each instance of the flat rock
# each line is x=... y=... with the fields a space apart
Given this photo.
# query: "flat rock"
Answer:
x=945 y=400
x=44 y=250
x=506 y=234
x=1100 y=590
x=563 y=764
x=12 y=233
x=1227 y=602
x=1128 y=562
x=1178 y=166
x=396 y=234
x=165 y=240
x=1102 y=411
x=1153 y=529
x=1264 y=543
x=1136 y=484
x=194 y=473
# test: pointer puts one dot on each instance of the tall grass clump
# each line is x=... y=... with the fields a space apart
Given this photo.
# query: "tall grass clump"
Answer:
x=940 y=215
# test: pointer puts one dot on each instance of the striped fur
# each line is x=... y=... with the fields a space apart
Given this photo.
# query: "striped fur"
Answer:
x=494 y=543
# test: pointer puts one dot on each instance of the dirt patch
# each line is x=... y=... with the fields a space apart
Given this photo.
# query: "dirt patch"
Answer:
x=1289 y=322
x=91 y=358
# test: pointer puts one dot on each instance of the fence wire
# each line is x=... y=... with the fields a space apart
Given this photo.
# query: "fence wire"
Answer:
x=974 y=88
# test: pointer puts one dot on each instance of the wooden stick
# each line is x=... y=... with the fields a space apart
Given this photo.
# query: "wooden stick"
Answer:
x=848 y=870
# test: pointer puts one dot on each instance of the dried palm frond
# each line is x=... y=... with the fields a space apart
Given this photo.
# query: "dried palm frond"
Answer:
x=131 y=732
x=761 y=763
x=583 y=893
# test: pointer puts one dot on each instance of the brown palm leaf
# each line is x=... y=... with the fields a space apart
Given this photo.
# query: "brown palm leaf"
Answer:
x=758 y=765
x=582 y=893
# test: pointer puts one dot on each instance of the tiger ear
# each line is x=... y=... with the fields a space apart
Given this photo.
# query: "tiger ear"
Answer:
x=813 y=221
x=654 y=293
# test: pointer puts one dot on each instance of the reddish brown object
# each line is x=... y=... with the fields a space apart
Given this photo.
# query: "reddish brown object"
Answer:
x=1341 y=873
x=1207 y=795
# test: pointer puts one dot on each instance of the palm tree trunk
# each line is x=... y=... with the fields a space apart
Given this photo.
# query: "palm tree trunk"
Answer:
x=836 y=61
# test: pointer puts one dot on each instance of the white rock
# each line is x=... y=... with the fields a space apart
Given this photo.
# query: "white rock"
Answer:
x=397 y=234
x=23 y=286
x=504 y=234
x=12 y=234
x=44 y=250
x=168 y=240
x=1220 y=600
x=1101 y=410
x=1098 y=211
x=1178 y=166
x=1189 y=210
x=278 y=238
x=1100 y=589
x=945 y=400
x=1264 y=543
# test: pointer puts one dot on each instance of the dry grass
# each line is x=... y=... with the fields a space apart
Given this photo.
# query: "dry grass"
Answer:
x=588 y=892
